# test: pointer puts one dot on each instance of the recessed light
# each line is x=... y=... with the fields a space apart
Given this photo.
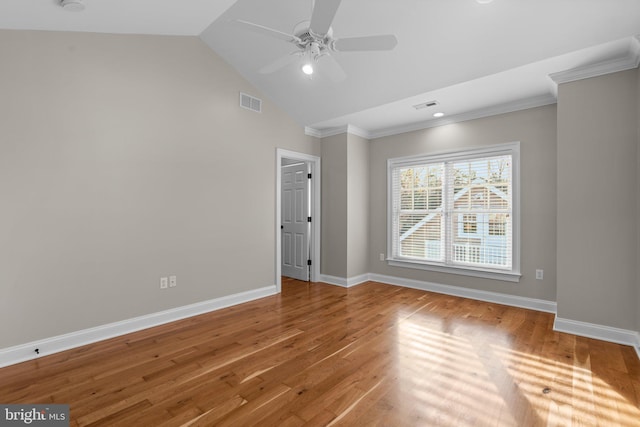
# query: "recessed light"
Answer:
x=438 y=114
x=72 y=5
x=484 y=1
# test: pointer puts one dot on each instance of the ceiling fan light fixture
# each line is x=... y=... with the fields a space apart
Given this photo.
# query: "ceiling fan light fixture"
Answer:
x=307 y=68
x=72 y=5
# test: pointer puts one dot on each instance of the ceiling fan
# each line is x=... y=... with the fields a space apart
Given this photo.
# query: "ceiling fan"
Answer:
x=314 y=39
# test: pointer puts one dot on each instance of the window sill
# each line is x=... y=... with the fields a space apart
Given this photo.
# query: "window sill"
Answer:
x=507 y=276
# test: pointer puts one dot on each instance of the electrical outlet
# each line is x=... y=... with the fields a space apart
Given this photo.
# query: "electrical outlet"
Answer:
x=164 y=283
x=381 y=257
x=539 y=274
x=173 y=281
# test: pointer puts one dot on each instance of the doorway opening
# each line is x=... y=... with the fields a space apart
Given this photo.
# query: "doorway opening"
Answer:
x=297 y=216
x=295 y=225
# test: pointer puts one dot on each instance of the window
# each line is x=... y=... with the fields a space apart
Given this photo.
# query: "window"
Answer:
x=456 y=212
x=469 y=224
x=497 y=225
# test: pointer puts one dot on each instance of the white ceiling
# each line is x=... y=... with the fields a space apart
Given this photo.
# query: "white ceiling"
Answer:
x=473 y=59
x=177 y=17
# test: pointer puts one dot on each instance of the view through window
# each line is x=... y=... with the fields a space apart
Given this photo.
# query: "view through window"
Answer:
x=455 y=210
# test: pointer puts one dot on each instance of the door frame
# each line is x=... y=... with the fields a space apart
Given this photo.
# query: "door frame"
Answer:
x=314 y=162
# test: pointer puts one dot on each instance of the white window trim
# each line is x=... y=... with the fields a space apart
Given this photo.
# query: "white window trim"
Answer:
x=513 y=149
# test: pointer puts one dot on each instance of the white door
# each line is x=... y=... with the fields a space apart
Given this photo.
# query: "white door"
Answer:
x=296 y=225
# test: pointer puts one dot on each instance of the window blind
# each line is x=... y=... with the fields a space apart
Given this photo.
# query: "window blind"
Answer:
x=480 y=211
x=455 y=211
x=419 y=218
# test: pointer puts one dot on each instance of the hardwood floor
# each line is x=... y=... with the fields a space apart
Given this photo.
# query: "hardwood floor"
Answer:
x=322 y=355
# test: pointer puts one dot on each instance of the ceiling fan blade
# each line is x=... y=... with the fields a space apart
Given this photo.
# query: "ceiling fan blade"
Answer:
x=352 y=44
x=328 y=66
x=322 y=16
x=279 y=63
x=261 y=29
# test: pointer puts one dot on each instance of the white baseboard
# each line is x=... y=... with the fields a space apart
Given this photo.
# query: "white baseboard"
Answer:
x=345 y=283
x=24 y=352
x=599 y=332
x=357 y=280
x=512 y=300
x=333 y=280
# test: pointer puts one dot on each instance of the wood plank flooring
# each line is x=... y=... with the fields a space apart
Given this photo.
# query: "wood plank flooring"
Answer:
x=321 y=355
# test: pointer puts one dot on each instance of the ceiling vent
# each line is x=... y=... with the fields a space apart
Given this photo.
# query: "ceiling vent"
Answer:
x=425 y=105
x=72 y=5
x=250 y=103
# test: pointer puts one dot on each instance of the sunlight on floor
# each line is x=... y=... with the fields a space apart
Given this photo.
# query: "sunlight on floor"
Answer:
x=571 y=394
x=427 y=359
x=481 y=380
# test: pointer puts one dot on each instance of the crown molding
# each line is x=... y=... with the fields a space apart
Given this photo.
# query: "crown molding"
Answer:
x=509 y=107
x=324 y=133
x=362 y=133
x=628 y=62
x=522 y=104
x=312 y=132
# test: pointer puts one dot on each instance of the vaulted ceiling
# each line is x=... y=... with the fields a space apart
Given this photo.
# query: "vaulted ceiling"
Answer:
x=473 y=59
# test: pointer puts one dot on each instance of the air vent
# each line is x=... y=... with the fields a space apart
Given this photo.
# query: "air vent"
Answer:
x=72 y=5
x=425 y=105
x=250 y=103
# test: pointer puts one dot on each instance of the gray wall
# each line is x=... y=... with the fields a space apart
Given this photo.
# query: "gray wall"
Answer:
x=334 y=206
x=358 y=206
x=345 y=205
x=536 y=131
x=597 y=200
x=124 y=159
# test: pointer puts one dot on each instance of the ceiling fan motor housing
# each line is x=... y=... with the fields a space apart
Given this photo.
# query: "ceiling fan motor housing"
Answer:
x=312 y=44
